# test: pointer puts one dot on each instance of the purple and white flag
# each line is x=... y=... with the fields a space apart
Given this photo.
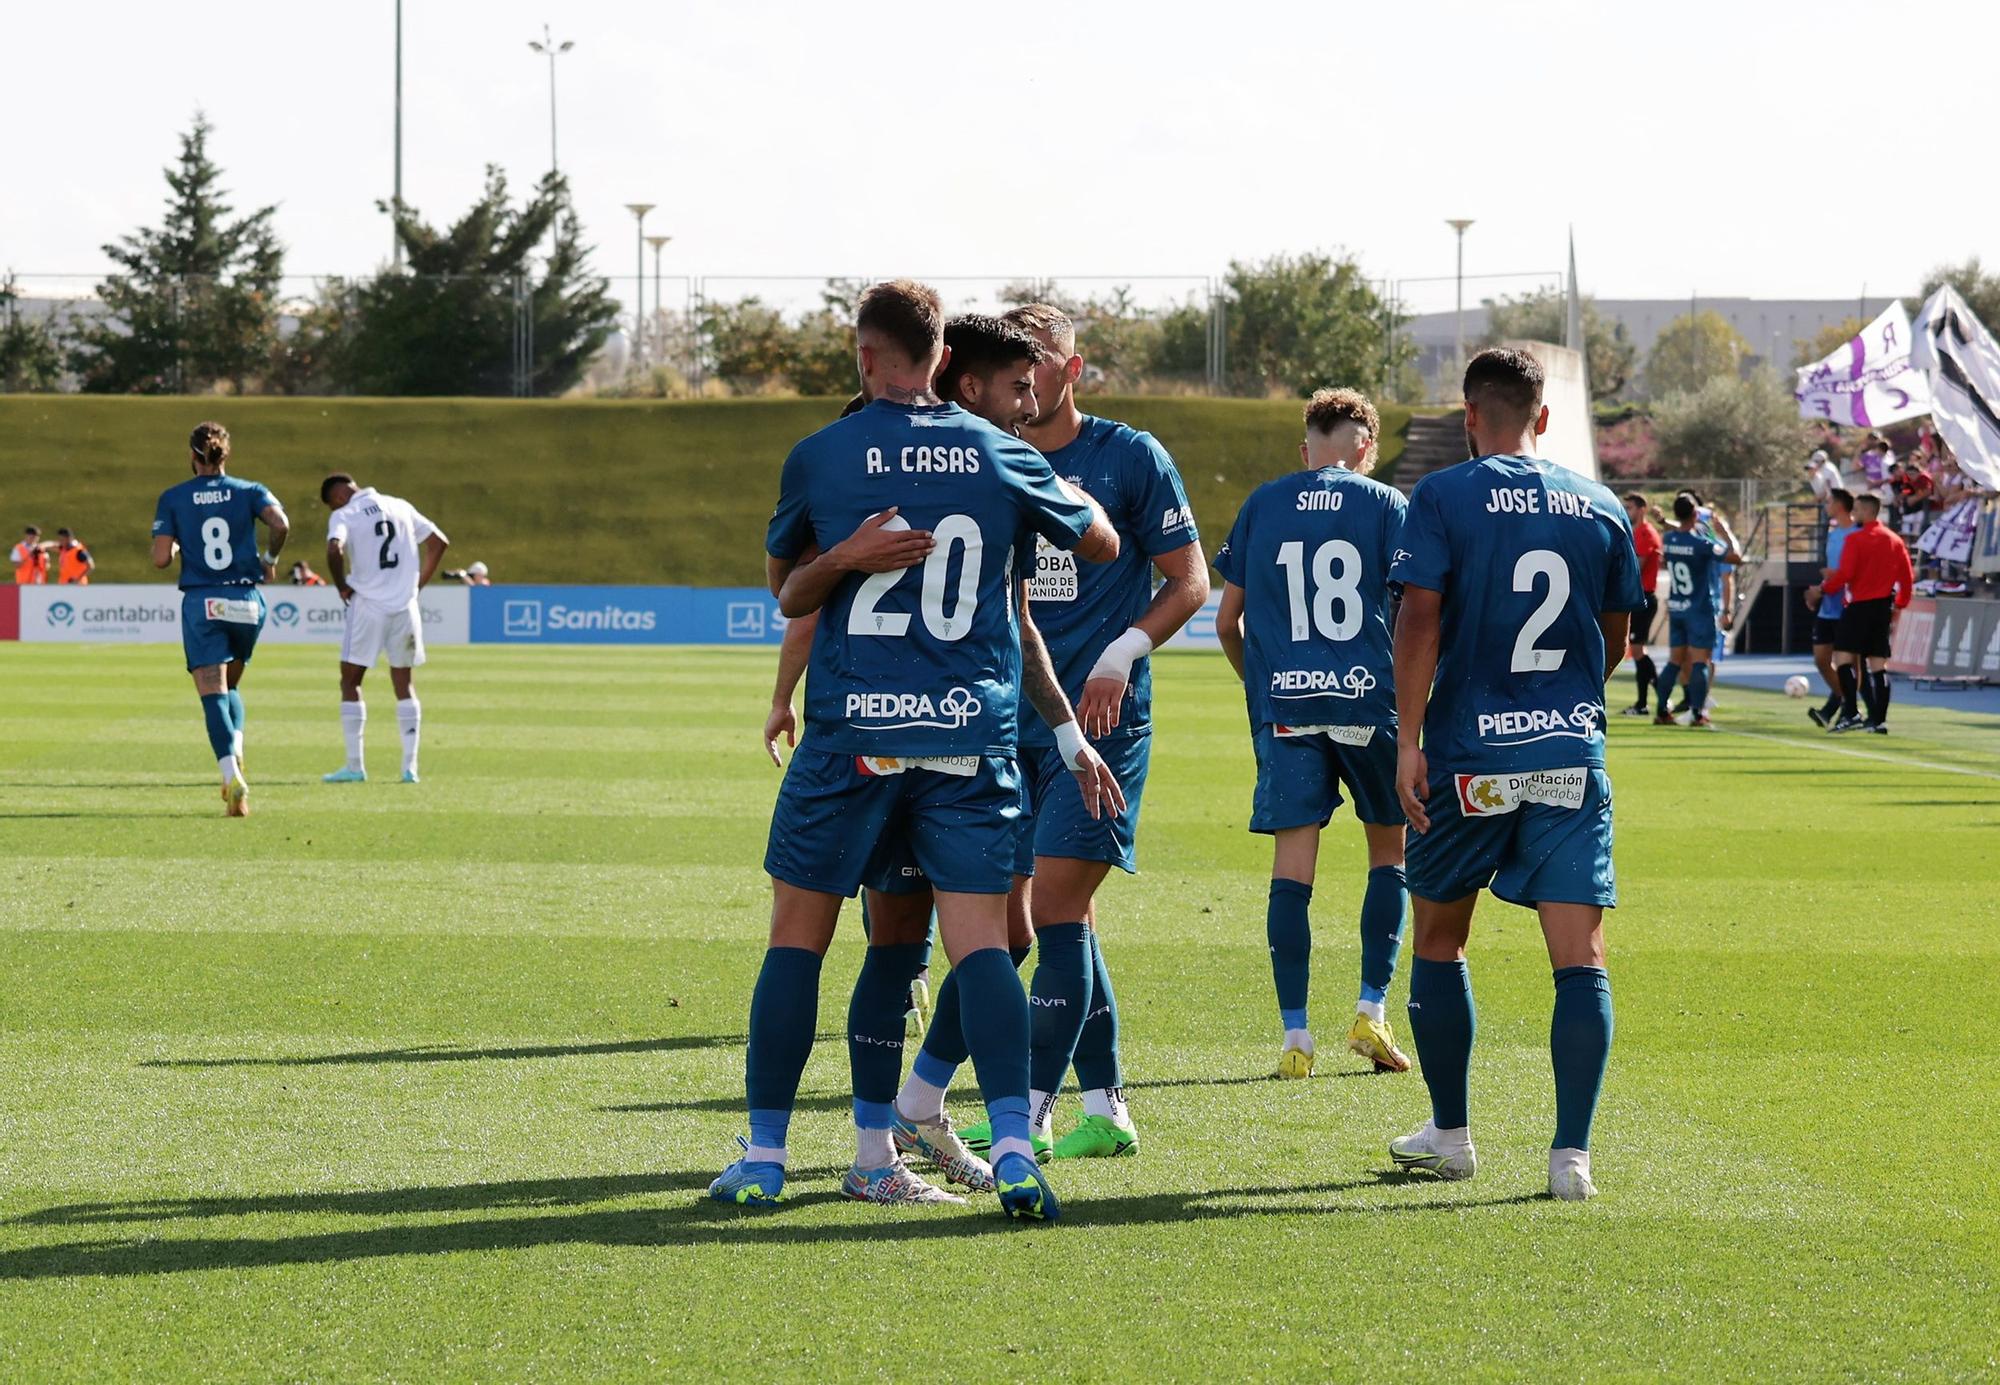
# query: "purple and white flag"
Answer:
x=1950 y=535
x=1870 y=381
x=1964 y=365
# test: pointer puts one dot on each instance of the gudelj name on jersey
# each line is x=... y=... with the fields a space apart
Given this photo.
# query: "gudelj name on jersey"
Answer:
x=1522 y=728
x=1522 y=500
x=957 y=461
x=874 y=711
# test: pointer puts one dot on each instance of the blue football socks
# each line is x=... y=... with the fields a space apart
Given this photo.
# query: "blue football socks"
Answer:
x=1443 y=1024
x=875 y=1029
x=1097 y=1047
x=995 y=1019
x=1382 y=907
x=221 y=730
x=1670 y=675
x=784 y=1010
x=1697 y=689
x=1579 y=1047
x=1288 y=928
x=1057 y=1000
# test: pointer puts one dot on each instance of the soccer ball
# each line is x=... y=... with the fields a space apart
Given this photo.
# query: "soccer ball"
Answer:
x=1796 y=685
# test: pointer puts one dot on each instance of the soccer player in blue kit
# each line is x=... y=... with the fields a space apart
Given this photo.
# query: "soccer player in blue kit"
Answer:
x=211 y=522
x=1518 y=581
x=911 y=721
x=1304 y=620
x=1693 y=559
x=1099 y=623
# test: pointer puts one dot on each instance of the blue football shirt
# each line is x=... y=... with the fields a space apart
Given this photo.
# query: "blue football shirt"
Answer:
x=925 y=661
x=1311 y=552
x=1693 y=561
x=1082 y=607
x=1526 y=556
x=214 y=520
x=1831 y=604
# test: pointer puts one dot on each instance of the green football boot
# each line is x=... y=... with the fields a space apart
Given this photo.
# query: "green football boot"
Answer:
x=1097 y=1137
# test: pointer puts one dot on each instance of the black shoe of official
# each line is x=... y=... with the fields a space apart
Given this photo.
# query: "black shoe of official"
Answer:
x=1818 y=716
x=1847 y=724
x=1876 y=728
x=1681 y=710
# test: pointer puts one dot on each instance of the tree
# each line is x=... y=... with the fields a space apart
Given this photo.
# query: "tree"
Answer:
x=1731 y=426
x=1694 y=349
x=197 y=302
x=31 y=359
x=1543 y=316
x=1294 y=324
x=821 y=353
x=449 y=325
x=1980 y=290
x=1826 y=340
x=749 y=343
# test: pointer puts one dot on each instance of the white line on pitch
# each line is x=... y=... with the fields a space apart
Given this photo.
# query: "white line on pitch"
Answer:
x=1859 y=754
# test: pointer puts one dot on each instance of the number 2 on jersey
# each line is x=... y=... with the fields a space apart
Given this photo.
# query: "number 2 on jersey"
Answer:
x=864 y=619
x=386 y=530
x=1540 y=562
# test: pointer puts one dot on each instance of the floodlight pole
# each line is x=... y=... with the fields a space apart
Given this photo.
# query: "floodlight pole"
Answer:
x=553 y=50
x=1459 y=224
x=658 y=243
x=639 y=210
x=395 y=231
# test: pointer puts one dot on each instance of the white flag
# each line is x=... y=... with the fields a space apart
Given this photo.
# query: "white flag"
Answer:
x=1963 y=364
x=1868 y=382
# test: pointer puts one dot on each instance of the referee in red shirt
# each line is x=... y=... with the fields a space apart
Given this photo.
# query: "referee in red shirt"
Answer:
x=1648 y=545
x=1875 y=573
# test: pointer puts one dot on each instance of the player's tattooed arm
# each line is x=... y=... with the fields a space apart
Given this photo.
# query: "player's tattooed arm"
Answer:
x=1617 y=628
x=280 y=527
x=1039 y=683
x=883 y=543
x=1229 y=625
x=1416 y=660
x=794 y=651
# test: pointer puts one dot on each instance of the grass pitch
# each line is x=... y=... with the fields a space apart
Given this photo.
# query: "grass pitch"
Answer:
x=426 y=1082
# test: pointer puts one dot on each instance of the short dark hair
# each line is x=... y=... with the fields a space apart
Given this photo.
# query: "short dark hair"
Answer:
x=854 y=405
x=1328 y=409
x=1507 y=377
x=210 y=442
x=31 y=529
x=339 y=478
x=906 y=312
x=981 y=345
x=64 y=534
x=1683 y=508
x=1635 y=498
x=1843 y=495
x=1867 y=498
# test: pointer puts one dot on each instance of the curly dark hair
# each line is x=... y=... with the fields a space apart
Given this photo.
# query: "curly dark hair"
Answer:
x=1327 y=409
x=210 y=442
x=1505 y=376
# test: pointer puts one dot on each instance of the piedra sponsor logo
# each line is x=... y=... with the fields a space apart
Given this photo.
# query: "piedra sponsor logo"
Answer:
x=894 y=711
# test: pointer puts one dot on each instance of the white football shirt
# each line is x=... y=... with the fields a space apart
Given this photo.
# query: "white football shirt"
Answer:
x=381 y=534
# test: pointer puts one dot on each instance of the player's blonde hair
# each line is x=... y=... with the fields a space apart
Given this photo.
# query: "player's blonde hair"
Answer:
x=1045 y=317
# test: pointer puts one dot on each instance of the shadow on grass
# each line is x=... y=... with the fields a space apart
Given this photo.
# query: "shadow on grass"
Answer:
x=108 y=813
x=446 y=1053
x=829 y=1101
x=694 y=1221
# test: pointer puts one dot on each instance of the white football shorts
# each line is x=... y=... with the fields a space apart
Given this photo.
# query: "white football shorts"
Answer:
x=373 y=631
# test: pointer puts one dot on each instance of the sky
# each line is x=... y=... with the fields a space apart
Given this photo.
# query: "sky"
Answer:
x=1747 y=148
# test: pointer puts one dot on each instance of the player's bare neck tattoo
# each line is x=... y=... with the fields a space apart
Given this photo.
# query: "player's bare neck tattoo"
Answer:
x=897 y=394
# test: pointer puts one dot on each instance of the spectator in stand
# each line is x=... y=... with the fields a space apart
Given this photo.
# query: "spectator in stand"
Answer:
x=304 y=576
x=73 y=561
x=473 y=576
x=1826 y=611
x=1875 y=573
x=1915 y=492
x=1822 y=475
x=31 y=558
x=1875 y=459
x=1646 y=542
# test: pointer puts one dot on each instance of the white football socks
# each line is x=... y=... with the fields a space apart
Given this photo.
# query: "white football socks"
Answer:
x=1301 y=1039
x=353 y=720
x=872 y=1149
x=1012 y=1144
x=765 y=1154
x=1108 y=1101
x=227 y=764
x=920 y=1100
x=410 y=718
x=1374 y=1009
x=1042 y=1112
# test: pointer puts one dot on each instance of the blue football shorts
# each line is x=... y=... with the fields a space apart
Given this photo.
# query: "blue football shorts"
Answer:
x=220 y=625
x=1299 y=778
x=1692 y=630
x=835 y=811
x=1061 y=824
x=1533 y=837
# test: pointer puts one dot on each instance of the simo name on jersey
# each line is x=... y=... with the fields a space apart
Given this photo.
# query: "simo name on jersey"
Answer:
x=963 y=461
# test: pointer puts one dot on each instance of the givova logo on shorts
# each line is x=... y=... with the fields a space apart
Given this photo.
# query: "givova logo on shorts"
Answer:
x=901 y=711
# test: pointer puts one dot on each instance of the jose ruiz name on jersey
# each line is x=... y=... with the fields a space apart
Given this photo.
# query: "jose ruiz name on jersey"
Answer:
x=1524 y=500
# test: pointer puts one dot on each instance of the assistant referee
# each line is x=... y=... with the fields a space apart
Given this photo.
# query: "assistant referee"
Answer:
x=1875 y=573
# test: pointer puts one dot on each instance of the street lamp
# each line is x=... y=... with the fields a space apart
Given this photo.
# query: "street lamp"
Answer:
x=658 y=243
x=639 y=210
x=394 y=230
x=549 y=46
x=1459 y=224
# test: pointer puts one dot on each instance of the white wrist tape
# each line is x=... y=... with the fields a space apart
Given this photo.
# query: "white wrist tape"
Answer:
x=1118 y=657
x=1070 y=741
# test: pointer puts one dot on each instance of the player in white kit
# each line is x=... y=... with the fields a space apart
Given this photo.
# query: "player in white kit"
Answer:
x=372 y=552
